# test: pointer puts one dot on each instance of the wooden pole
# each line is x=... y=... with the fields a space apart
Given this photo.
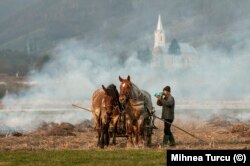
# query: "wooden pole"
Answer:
x=81 y=108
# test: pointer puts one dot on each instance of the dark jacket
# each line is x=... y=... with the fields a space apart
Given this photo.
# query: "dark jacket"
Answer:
x=168 y=105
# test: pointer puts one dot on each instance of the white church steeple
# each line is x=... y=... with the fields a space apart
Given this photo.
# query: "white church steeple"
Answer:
x=161 y=56
x=159 y=24
x=159 y=36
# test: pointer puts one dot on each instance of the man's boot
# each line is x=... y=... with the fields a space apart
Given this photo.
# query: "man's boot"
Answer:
x=171 y=140
x=165 y=140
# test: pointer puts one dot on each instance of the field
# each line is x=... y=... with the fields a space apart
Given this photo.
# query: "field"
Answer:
x=67 y=144
x=85 y=157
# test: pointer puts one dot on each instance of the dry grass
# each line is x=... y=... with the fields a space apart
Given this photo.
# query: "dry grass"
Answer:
x=219 y=134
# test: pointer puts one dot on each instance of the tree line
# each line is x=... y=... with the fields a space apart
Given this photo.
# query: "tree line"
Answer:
x=12 y=62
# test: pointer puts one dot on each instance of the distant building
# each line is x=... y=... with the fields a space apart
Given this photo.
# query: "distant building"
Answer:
x=170 y=53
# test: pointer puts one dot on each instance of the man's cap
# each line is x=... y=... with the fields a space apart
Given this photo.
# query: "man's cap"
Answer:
x=167 y=88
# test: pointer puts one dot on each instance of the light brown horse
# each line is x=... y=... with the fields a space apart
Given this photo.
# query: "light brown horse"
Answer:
x=137 y=104
x=105 y=110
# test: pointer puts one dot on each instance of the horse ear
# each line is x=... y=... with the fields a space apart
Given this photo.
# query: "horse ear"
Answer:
x=120 y=78
x=103 y=87
x=128 y=78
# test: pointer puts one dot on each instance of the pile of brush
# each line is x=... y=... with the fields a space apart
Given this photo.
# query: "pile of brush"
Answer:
x=63 y=129
x=219 y=122
x=242 y=129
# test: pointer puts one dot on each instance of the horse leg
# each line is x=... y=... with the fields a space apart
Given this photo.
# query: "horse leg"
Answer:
x=114 y=131
x=99 y=133
x=97 y=127
x=106 y=140
x=102 y=128
x=129 y=131
x=135 y=128
x=99 y=137
x=140 y=131
x=114 y=134
x=102 y=138
x=108 y=137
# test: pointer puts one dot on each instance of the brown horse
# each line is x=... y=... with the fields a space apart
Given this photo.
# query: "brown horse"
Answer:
x=113 y=108
x=105 y=109
x=137 y=105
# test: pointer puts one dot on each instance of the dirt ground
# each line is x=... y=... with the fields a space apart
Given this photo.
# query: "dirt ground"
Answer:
x=219 y=133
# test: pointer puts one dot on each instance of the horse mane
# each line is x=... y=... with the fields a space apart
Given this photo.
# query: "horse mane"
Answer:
x=135 y=86
x=112 y=91
x=136 y=92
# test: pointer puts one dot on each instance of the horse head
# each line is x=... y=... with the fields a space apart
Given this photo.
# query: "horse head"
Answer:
x=125 y=88
x=111 y=98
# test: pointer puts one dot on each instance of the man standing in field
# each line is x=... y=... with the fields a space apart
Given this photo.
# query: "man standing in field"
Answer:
x=166 y=100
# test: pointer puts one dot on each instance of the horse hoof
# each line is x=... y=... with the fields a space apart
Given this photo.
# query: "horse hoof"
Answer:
x=140 y=145
x=136 y=146
x=129 y=145
x=102 y=146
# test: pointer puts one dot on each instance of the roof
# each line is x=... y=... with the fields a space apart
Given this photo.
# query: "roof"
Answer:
x=185 y=48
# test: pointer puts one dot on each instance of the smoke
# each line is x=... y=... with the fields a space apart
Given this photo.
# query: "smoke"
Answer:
x=77 y=70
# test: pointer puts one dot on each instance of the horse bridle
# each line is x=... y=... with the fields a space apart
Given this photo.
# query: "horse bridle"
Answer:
x=114 y=104
x=127 y=94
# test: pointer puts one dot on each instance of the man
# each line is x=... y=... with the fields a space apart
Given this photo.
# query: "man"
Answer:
x=168 y=103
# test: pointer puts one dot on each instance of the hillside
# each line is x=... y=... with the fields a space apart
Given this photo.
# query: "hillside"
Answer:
x=41 y=24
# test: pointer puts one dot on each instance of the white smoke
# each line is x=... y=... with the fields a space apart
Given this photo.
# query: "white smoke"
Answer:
x=76 y=70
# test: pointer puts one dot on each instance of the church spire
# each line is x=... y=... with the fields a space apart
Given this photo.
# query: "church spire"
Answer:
x=159 y=34
x=159 y=24
x=159 y=43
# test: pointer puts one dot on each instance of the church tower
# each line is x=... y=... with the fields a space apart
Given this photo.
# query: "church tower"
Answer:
x=159 y=43
x=159 y=35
